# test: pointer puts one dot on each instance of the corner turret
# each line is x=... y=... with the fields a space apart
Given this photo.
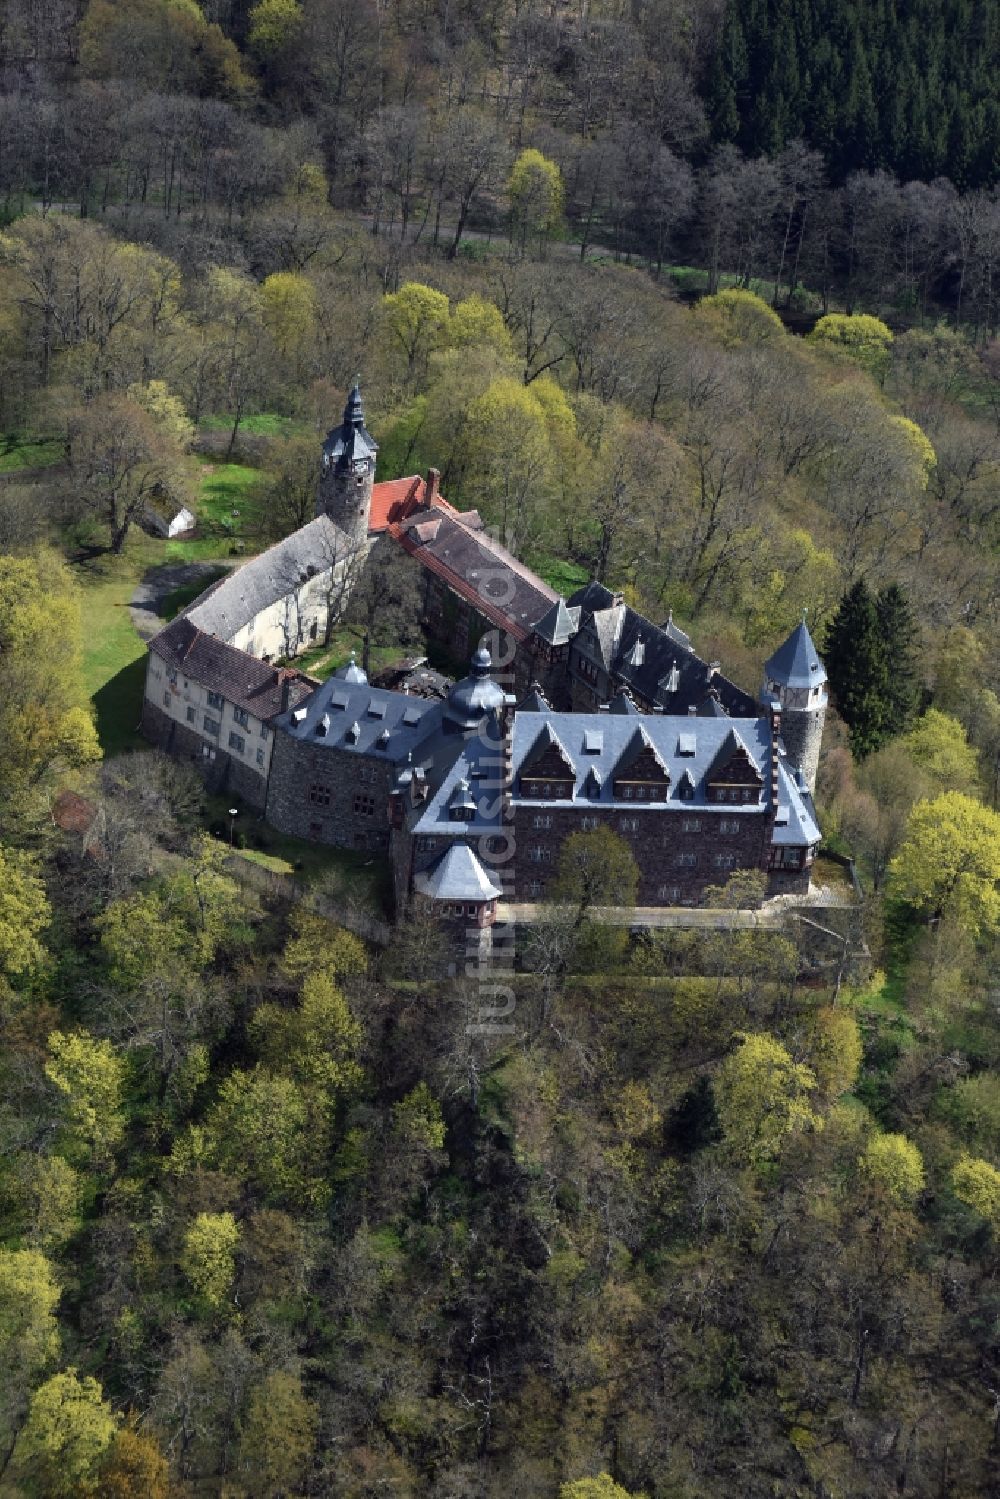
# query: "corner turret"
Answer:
x=347 y=473
x=796 y=676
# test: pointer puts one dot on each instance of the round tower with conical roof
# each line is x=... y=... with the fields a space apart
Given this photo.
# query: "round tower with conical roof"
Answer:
x=796 y=676
x=347 y=473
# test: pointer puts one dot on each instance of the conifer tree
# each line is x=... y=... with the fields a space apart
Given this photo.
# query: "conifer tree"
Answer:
x=898 y=636
x=855 y=664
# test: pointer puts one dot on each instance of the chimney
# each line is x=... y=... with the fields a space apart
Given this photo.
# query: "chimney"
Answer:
x=433 y=481
x=774 y=711
x=285 y=680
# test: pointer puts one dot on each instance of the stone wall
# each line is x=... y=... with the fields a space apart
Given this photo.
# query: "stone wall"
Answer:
x=679 y=854
x=323 y=794
x=221 y=771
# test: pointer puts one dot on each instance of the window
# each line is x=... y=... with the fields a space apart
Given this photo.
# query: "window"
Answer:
x=629 y=824
x=172 y=678
x=364 y=805
x=242 y=717
x=264 y=731
x=237 y=743
x=211 y=725
x=587 y=823
x=541 y=820
x=670 y=893
x=539 y=855
x=191 y=714
x=536 y=888
x=691 y=824
x=686 y=861
x=729 y=824
x=215 y=700
x=319 y=795
x=424 y=845
x=724 y=861
x=260 y=758
x=315 y=829
x=166 y=699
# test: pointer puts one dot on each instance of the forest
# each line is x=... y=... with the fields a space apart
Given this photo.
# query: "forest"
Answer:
x=717 y=1213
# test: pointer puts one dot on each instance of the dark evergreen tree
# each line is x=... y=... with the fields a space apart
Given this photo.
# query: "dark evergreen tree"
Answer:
x=856 y=667
x=898 y=637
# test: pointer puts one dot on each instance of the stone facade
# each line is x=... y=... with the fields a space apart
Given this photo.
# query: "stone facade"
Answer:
x=678 y=855
x=329 y=795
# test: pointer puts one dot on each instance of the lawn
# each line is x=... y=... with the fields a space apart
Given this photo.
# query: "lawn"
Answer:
x=364 y=875
x=114 y=658
x=564 y=577
x=28 y=452
x=323 y=660
x=260 y=424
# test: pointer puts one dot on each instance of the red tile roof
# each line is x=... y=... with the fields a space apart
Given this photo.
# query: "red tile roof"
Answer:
x=394 y=499
x=251 y=684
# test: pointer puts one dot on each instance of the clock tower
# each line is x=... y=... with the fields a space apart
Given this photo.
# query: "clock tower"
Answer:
x=347 y=471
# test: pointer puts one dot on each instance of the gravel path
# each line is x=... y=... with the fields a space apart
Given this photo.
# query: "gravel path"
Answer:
x=147 y=602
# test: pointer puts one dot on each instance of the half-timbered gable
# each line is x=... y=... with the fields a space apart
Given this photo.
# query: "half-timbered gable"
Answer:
x=547 y=772
x=640 y=774
x=734 y=775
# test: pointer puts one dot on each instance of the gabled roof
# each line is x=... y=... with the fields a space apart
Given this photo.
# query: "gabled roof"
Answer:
x=730 y=748
x=638 y=745
x=796 y=663
x=559 y=624
x=712 y=707
x=548 y=739
x=457 y=876
x=665 y=670
x=475 y=566
x=394 y=500
x=612 y=736
x=224 y=608
x=242 y=679
x=341 y=714
x=535 y=701
x=623 y=705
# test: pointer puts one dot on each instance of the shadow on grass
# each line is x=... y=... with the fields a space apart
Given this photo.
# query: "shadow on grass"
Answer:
x=118 y=705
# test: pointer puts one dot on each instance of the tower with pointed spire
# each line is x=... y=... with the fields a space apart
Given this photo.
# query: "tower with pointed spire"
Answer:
x=347 y=473
x=796 y=676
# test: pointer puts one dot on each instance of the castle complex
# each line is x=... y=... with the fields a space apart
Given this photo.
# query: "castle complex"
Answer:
x=580 y=714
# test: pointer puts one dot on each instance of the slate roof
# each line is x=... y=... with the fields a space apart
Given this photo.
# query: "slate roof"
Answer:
x=476 y=567
x=242 y=679
x=664 y=657
x=535 y=700
x=796 y=663
x=236 y=599
x=795 y=824
x=712 y=707
x=559 y=624
x=365 y=720
x=687 y=747
x=350 y=442
x=479 y=763
x=457 y=875
x=615 y=735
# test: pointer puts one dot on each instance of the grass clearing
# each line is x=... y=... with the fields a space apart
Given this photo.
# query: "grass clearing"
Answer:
x=114 y=657
x=564 y=577
x=365 y=876
x=28 y=452
x=260 y=424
